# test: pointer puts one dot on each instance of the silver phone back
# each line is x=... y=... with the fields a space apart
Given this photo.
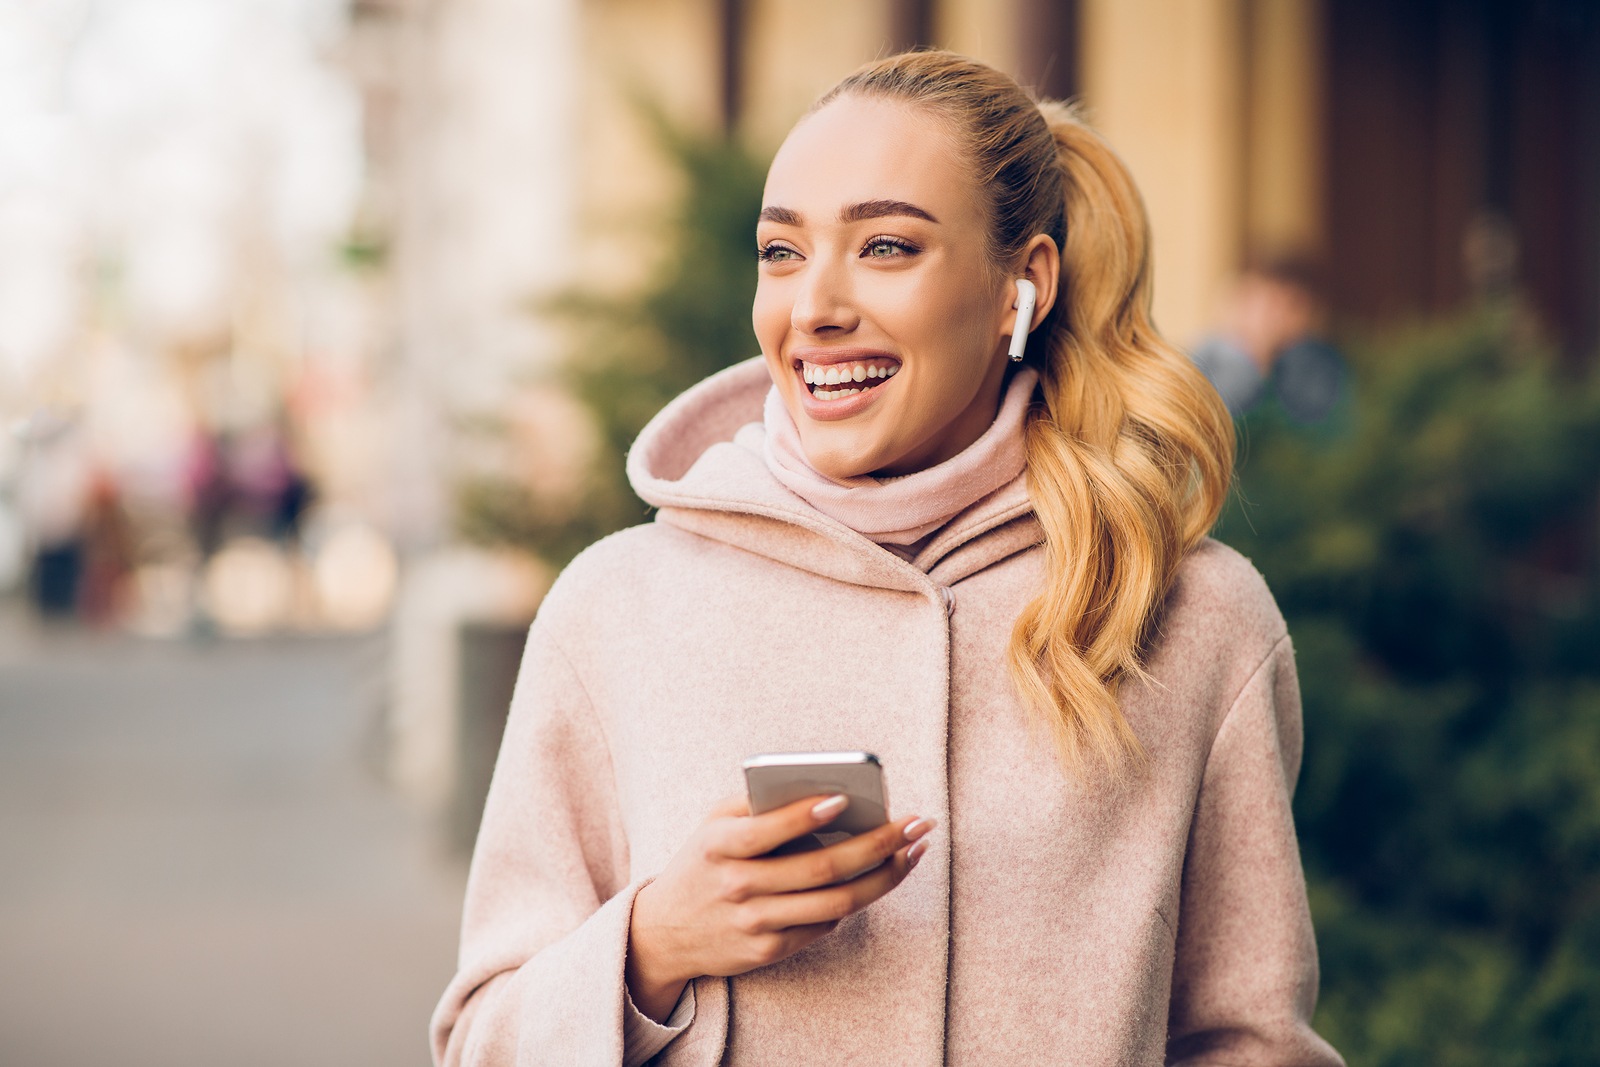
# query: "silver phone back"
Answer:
x=778 y=778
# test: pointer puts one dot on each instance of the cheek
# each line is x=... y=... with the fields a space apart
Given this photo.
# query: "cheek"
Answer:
x=949 y=328
x=962 y=311
x=769 y=316
x=945 y=306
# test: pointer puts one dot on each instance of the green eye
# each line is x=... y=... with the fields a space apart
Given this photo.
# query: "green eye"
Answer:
x=886 y=248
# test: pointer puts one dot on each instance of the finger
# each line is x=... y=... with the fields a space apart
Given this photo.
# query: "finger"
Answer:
x=831 y=903
x=733 y=805
x=838 y=862
x=756 y=835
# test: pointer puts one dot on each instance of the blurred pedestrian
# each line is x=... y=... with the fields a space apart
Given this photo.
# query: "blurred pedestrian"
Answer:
x=1267 y=344
x=108 y=553
x=268 y=488
x=52 y=500
x=209 y=490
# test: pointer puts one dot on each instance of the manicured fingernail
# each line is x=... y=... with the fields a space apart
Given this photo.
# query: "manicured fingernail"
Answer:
x=914 y=853
x=831 y=807
x=917 y=828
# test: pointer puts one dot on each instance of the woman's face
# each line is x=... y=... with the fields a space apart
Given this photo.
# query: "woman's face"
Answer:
x=880 y=319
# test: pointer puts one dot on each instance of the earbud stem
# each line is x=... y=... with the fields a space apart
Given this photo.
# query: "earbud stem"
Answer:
x=1027 y=295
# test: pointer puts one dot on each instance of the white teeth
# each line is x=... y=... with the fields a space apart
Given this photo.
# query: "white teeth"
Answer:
x=843 y=374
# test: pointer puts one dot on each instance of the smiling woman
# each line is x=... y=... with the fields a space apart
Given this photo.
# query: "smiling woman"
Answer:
x=885 y=535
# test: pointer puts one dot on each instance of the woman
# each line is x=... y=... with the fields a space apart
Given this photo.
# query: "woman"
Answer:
x=885 y=535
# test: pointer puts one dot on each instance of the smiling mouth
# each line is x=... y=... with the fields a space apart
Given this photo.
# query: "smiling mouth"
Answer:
x=835 y=381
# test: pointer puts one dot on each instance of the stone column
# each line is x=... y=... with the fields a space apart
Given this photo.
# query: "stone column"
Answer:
x=486 y=189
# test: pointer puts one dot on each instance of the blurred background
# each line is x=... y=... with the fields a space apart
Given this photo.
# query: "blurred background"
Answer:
x=324 y=325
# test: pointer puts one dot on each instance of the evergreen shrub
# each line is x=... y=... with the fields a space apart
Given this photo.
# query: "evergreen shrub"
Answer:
x=1435 y=556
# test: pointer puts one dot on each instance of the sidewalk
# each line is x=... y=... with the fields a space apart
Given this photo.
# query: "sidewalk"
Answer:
x=198 y=865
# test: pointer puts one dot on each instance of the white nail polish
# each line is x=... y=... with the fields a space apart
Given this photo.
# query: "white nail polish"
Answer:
x=830 y=808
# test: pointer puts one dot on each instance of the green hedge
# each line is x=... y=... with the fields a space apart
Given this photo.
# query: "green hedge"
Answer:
x=1435 y=557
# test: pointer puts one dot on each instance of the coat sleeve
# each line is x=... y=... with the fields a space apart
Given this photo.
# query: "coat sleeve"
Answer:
x=544 y=933
x=1245 y=974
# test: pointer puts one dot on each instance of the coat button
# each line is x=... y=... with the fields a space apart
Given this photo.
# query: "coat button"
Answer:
x=949 y=598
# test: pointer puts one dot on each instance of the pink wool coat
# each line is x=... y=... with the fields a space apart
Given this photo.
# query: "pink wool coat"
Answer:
x=1046 y=924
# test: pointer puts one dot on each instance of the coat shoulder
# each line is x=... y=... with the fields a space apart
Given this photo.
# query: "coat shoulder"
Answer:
x=1219 y=593
x=622 y=572
x=605 y=566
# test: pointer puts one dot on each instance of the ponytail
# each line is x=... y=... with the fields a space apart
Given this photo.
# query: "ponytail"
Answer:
x=1129 y=451
x=1129 y=458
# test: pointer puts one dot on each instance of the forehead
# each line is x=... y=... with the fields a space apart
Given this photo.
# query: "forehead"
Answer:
x=859 y=148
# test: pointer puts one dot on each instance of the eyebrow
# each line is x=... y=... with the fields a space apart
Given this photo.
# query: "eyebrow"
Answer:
x=782 y=216
x=866 y=209
x=877 y=209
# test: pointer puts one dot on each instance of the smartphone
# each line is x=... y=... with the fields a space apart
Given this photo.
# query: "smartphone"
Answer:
x=778 y=778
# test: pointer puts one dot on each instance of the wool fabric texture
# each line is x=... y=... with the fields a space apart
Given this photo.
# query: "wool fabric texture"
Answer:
x=903 y=510
x=1049 y=922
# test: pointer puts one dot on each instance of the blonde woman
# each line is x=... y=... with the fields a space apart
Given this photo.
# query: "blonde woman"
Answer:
x=886 y=535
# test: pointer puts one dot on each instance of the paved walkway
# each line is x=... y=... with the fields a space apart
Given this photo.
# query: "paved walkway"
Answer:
x=198 y=864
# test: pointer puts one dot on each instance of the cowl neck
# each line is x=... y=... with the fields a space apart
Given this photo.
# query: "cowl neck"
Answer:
x=904 y=510
x=701 y=463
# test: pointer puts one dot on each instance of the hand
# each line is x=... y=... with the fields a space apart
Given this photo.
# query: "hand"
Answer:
x=723 y=906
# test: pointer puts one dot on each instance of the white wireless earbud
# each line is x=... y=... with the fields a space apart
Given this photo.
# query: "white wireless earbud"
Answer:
x=1026 y=296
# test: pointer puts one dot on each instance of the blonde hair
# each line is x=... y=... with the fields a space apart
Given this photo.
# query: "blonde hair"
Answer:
x=1129 y=451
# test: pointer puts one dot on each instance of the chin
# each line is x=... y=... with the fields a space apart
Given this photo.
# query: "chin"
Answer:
x=840 y=459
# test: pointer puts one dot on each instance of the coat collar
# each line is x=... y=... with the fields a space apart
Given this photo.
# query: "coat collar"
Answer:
x=699 y=462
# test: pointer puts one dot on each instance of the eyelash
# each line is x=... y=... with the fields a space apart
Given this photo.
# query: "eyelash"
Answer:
x=905 y=247
x=766 y=253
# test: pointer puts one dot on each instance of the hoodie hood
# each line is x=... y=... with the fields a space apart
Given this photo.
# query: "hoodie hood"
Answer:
x=700 y=462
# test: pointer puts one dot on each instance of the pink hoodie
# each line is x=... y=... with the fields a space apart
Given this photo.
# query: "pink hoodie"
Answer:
x=1046 y=924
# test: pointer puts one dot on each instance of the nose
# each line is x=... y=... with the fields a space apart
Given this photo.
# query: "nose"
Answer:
x=823 y=300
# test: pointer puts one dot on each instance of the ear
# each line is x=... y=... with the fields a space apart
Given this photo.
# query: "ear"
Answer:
x=1041 y=263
